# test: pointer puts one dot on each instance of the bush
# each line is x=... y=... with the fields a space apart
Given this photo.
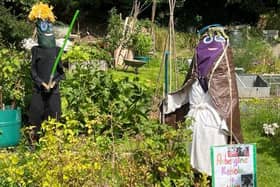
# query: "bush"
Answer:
x=88 y=93
x=142 y=44
x=14 y=77
x=114 y=31
x=157 y=156
x=84 y=54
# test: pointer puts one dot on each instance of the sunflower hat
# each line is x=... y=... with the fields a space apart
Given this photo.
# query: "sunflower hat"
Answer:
x=41 y=11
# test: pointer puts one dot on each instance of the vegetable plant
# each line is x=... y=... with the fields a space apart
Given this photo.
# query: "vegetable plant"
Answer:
x=142 y=43
x=13 y=77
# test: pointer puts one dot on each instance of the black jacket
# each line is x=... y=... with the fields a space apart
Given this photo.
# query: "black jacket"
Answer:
x=41 y=67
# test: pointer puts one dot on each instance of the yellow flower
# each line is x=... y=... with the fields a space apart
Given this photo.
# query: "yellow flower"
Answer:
x=41 y=11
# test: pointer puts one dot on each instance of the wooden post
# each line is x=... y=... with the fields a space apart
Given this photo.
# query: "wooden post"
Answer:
x=166 y=90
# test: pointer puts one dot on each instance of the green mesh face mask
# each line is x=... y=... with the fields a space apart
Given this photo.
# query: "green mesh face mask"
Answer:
x=45 y=34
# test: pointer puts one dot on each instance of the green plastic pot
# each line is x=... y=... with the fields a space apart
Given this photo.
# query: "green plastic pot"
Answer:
x=10 y=123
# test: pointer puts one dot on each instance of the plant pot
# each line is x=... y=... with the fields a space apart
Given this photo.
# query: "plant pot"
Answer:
x=142 y=58
x=10 y=123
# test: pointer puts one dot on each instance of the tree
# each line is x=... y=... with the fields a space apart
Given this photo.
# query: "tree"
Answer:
x=21 y=6
x=12 y=29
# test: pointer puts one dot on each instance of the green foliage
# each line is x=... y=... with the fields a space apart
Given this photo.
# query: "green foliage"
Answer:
x=140 y=40
x=97 y=111
x=142 y=36
x=13 y=76
x=12 y=30
x=160 y=35
x=77 y=54
x=86 y=53
x=110 y=117
x=61 y=159
x=142 y=43
x=114 y=30
x=182 y=65
x=156 y=156
x=259 y=113
x=166 y=154
x=87 y=89
x=147 y=75
x=186 y=40
x=251 y=52
x=98 y=53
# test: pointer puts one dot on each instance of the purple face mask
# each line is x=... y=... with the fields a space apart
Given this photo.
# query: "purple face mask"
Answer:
x=208 y=51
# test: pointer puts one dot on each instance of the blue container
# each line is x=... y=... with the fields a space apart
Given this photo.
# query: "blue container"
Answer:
x=10 y=123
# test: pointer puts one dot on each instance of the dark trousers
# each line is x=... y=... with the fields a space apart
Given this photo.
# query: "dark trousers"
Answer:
x=42 y=106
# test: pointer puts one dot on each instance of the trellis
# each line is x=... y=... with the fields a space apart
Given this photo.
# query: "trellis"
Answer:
x=129 y=26
x=169 y=56
x=168 y=63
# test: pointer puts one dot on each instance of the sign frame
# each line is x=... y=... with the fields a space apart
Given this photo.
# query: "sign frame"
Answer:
x=238 y=161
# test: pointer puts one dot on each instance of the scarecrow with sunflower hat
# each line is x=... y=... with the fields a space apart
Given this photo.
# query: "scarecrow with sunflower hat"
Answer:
x=45 y=101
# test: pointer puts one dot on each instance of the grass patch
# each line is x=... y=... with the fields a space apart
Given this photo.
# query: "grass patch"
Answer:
x=254 y=113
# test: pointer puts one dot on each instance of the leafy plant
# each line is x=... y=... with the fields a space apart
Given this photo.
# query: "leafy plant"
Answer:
x=166 y=154
x=86 y=54
x=88 y=93
x=156 y=156
x=114 y=30
x=77 y=54
x=138 y=39
x=13 y=76
x=141 y=44
x=98 y=53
